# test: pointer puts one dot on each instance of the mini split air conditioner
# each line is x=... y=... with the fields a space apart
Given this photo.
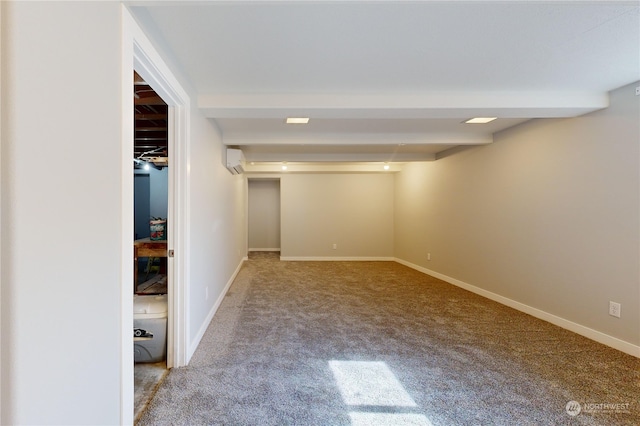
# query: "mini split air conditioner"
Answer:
x=235 y=161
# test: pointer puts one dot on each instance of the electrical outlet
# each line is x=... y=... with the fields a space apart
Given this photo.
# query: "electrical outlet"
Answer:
x=638 y=91
x=428 y=256
x=335 y=246
x=614 y=309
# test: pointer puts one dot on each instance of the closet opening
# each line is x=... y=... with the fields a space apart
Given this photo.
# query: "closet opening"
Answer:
x=264 y=215
x=151 y=164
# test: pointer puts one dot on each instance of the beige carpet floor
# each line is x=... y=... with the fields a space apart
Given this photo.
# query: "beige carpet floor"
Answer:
x=377 y=343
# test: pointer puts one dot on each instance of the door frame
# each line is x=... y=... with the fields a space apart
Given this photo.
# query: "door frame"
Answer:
x=278 y=180
x=153 y=70
x=139 y=54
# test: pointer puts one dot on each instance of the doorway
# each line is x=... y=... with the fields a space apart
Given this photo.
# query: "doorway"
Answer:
x=151 y=208
x=139 y=54
x=264 y=215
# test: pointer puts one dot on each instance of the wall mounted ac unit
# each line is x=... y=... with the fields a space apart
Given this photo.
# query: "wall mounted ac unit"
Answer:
x=235 y=161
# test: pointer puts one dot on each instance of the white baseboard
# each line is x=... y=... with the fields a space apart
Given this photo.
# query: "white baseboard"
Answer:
x=212 y=312
x=590 y=333
x=264 y=249
x=336 y=259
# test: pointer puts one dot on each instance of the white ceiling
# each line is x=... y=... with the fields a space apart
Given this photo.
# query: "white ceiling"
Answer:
x=391 y=80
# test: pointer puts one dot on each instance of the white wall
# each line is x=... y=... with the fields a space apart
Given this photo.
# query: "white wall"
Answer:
x=264 y=214
x=2 y=100
x=546 y=216
x=61 y=205
x=62 y=325
x=353 y=211
x=218 y=225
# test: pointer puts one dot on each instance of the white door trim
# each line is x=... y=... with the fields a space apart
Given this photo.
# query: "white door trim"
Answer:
x=138 y=53
x=153 y=70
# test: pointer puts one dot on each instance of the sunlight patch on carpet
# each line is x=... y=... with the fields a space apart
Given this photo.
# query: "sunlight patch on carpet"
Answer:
x=388 y=419
x=369 y=383
x=372 y=384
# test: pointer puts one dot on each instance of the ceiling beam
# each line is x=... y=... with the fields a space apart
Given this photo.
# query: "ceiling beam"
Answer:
x=359 y=139
x=151 y=117
x=436 y=105
x=151 y=139
x=322 y=167
x=150 y=100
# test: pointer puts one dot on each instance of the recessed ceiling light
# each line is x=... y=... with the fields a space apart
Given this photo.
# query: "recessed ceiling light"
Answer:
x=386 y=167
x=480 y=120
x=297 y=120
